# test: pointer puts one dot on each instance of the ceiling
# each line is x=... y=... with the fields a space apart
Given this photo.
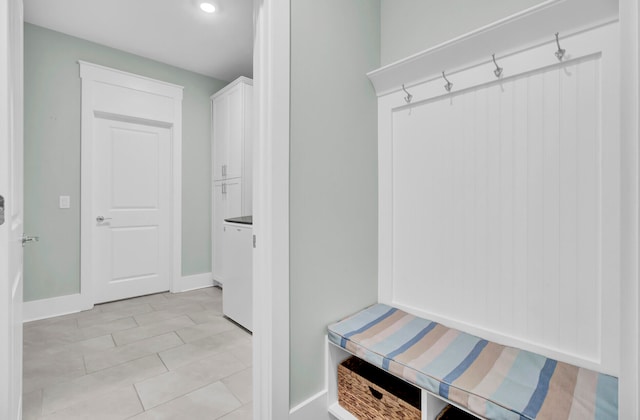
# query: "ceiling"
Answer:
x=174 y=32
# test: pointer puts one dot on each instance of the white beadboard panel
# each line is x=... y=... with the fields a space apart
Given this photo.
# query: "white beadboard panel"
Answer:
x=501 y=205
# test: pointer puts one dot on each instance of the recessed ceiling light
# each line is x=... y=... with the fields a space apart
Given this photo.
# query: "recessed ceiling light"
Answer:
x=207 y=7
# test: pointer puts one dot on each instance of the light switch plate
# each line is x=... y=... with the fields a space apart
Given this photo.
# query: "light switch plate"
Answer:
x=65 y=202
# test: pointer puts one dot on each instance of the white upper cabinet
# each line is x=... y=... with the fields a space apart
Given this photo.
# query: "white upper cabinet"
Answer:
x=231 y=109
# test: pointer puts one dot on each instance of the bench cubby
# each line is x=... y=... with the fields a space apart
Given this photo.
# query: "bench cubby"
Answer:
x=432 y=404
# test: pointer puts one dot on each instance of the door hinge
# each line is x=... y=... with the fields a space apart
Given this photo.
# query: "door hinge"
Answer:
x=1 y=210
x=254 y=241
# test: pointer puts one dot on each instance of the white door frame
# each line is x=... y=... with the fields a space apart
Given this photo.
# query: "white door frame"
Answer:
x=629 y=386
x=271 y=210
x=11 y=185
x=96 y=81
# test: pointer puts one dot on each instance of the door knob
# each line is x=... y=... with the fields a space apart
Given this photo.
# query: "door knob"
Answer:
x=101 y=219
x=26 y=239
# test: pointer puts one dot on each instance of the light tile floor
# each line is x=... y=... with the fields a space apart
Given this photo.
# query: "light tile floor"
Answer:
x=163 y=356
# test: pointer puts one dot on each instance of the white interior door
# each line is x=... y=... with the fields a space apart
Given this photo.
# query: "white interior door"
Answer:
x=132 y=207
x=11 y=212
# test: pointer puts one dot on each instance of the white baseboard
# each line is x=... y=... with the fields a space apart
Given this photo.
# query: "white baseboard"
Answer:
x=48 y=308
x=63 y=305
x=315 y=408
x=193 y=282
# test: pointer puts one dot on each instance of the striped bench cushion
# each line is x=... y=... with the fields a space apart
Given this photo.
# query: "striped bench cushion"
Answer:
x=490 y=380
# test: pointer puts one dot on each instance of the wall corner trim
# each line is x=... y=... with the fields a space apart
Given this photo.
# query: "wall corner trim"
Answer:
x=51 y=307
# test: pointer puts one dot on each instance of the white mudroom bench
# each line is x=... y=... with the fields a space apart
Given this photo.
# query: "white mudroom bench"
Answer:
x=487 y=379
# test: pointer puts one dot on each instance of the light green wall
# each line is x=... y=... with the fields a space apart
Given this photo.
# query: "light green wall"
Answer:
x=333 y=178
x=333 y=155
x=410 y=26
x=52 y=156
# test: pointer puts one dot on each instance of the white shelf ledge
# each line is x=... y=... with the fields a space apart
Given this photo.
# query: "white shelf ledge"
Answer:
x=531 y=27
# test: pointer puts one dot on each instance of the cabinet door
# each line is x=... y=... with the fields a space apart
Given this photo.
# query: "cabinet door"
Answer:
x=235 y=106
x=237 y=297
x=220 y=129
x=227 y=202
x=247 y=144
x=233 y=198
x=218 y=215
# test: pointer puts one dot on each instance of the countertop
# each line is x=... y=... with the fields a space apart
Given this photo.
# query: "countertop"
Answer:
x=244 y=220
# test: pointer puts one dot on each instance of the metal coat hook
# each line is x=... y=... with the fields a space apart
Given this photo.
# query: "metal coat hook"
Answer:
x=409 y=96
x=498 y=70
x=449 y=85
x=561 y=51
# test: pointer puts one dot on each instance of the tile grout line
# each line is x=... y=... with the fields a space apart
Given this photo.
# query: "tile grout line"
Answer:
x=135 y=389
x=156 y=334
x=84 y=363
x=179 y=338
x=155 y=353
x=163 y=363
x=235 y=394
x=195 y=390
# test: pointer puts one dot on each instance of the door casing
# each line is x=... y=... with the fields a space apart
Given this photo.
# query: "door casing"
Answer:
x=271 y=210
x=11 y=188
x=114 y=94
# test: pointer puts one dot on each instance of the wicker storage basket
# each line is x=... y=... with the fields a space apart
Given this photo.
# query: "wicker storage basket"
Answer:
x=370 y=393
